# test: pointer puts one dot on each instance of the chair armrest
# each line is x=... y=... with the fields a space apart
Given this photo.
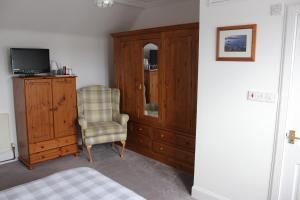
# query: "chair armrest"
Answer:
x=121 y=119
x=83 y=123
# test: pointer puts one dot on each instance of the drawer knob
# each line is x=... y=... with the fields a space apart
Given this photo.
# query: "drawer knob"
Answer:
x=162 y=135
x=43 y=157
x=161 y=148
x=42 y=147
x=140 y=129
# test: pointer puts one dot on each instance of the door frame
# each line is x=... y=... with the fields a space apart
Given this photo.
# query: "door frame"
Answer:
x=289 y=43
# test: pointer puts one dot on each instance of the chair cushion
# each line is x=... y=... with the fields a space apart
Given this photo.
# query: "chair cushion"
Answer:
x=103 y=128
x=105 y=139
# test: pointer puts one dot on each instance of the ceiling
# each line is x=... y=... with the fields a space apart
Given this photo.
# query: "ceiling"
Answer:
x=147 y=3
x=73 y=16
x=66 y=16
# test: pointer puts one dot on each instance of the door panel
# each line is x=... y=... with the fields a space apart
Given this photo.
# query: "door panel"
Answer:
x=290 y=179
x=39 y=110
x=180 y=79
x=64 y=104
x=130 y=60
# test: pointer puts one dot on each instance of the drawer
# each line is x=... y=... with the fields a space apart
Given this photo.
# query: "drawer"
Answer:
x=43 y=156
x=64 y=141
x=141 y=129
x=173 y=153
x=175 y=139
x=71 y=149
x=140 y=140
x=52 y=144
x=42 y=146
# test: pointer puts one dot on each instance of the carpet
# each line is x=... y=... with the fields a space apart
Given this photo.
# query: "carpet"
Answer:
x=149 y=178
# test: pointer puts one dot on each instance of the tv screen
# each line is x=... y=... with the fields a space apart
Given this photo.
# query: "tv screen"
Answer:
x=153 y=57
x=30 y=61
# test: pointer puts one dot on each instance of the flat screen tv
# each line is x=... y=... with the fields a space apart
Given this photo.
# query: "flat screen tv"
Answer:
x=30 y=61
x=153 y=57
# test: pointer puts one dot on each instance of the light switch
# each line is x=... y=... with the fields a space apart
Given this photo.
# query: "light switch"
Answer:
x=261 y=96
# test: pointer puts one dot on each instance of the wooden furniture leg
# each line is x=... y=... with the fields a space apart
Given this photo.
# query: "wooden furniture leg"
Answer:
x=89 y=149
x=123 y=149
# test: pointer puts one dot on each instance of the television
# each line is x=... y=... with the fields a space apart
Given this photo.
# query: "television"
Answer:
x=153 y=57
x=30 y=61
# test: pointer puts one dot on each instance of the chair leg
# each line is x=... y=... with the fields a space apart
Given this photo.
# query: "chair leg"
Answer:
x=89 y=149
x=82 y=148
x=123 y=149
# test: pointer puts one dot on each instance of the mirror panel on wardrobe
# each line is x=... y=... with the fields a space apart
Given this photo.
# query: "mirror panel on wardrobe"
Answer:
x=151 y=80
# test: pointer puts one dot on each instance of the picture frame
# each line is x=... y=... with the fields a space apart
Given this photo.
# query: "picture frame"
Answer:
x=236 y=43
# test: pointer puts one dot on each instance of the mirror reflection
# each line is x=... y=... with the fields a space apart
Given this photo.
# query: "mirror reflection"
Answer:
x=151 y=80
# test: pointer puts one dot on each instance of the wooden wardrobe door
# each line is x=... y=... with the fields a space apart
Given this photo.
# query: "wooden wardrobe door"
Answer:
x=39 y=110
x=130 y=76
x=180 y=58
x=64 y=104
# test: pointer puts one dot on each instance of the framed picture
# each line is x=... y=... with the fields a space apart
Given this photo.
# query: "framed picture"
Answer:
x=236 y=43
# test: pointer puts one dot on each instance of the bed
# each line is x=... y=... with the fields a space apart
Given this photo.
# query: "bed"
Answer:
x=75 y=184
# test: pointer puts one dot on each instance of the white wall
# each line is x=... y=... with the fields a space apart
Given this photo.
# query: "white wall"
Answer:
x=88 y=56
x=235 y=136
x=170 y=14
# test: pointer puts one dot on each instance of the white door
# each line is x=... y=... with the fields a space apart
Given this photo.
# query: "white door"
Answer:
x=290 y=176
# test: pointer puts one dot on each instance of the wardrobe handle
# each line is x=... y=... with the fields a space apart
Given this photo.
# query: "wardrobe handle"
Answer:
x=53 y=109
x=140 y=86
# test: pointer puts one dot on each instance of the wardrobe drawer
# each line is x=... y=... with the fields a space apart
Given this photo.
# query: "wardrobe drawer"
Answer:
x=173 y=153
x=42 y=146
x=141 y=140
x=43 y=156
x=64 y=141
x=141 y=129
x=71 y=149
x=175 y=139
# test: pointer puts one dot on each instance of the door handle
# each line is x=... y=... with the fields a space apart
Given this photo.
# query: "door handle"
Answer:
x=292 y=137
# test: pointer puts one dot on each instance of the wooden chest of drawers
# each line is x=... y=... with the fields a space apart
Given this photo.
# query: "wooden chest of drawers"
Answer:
x=46 y=114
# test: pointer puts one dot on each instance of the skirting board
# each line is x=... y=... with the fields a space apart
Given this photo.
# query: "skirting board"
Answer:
x=203 y=194
x=7 y=156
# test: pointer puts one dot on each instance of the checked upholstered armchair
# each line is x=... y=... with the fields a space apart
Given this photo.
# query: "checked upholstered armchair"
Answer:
x=99 y=117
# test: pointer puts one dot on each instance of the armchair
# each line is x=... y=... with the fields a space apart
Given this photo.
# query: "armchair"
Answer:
x=99 y=117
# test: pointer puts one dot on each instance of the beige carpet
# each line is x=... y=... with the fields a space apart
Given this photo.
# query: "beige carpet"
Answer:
x=149 y=178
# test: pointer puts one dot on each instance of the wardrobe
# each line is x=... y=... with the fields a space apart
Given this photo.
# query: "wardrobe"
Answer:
x=156 y=72
x=46 y=115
